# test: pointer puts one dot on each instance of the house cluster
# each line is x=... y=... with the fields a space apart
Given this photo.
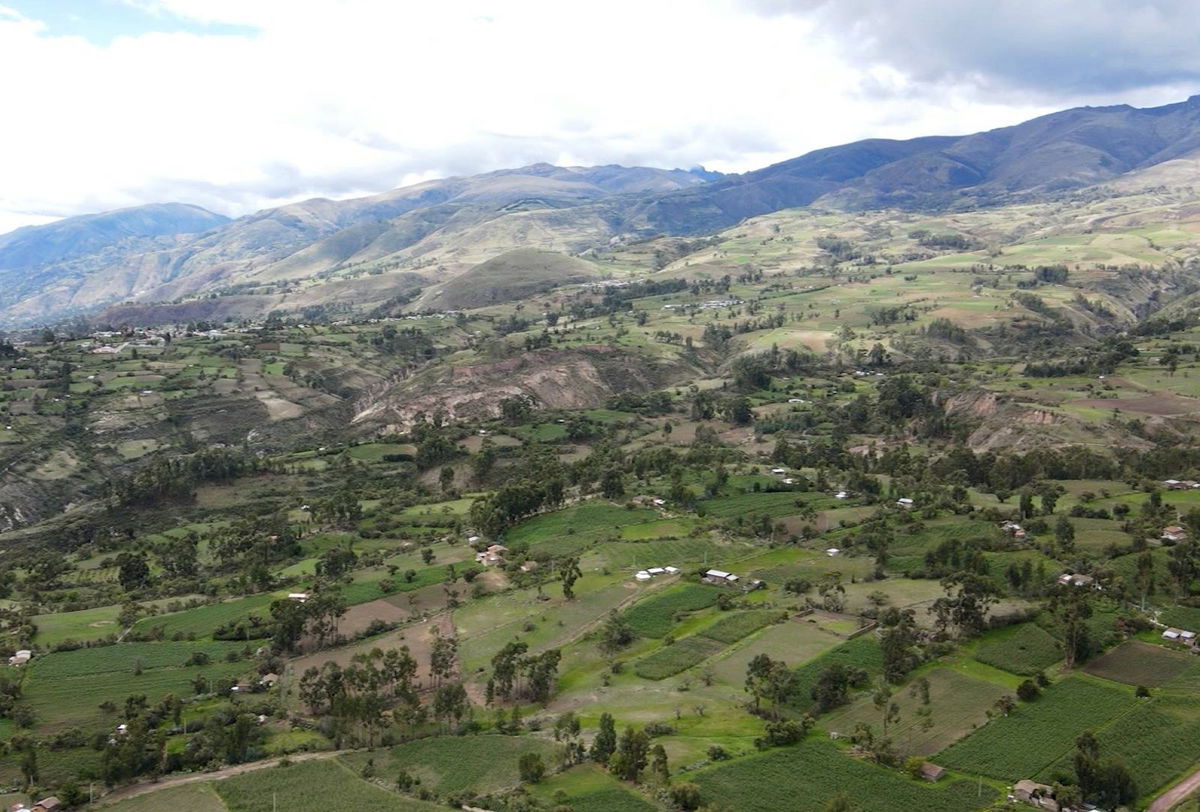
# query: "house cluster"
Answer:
x=1180 y=484
x=21 y=657
x=720 y=578
x=654 y=572
x=1184 y=636
x=1173 y=533
x=783 y=475
x=45 y=805
x=1077 y=579
x=1014 y=530
x=493 y=556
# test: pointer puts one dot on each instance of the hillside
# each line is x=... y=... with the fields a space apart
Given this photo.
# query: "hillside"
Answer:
x=511 y=276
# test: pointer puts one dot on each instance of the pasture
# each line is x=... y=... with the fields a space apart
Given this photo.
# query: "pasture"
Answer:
x=589 y=788
x=323 y=785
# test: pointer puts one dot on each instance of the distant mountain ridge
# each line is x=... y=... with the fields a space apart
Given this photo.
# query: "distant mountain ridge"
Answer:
x=320 y=251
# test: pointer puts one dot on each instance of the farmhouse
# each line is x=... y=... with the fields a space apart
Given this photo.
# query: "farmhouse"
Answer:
x=1173 y=533
x=841 y=495
x=720 y=578
x=1013 y=529
x=47 y=804
x=931 y=771
x=1076 y=579
x=1180 y=484
x=1179 y=635
x=300 y=597
x=642 y=575
x=905 y=503
x=21 y=657
x=1035 y=794
x=268 y=680
x=492 y=556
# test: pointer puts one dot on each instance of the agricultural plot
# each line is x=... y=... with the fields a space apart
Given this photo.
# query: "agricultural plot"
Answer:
x=124 y=657
x=656 y=616
x=732 y=628
x=201 y=621
x=805 y=777
x=1025 y=649
x=574 y=529
x=452 y=764
x=958 y=703
x=677 y=657
x=1138 y=663
x=1183 y=617
x=200 y=797
x=793 y=642
x=591 y=789
x=84 y=625
x=773 y=504
x=310 y=786
x=641 y=554
x=861 y=652
x=1036 y=734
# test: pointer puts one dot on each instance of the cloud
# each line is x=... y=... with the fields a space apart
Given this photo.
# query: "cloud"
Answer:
x=262 y=102
x=1067 y=46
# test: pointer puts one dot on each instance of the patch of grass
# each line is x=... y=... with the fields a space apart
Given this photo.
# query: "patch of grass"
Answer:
x=1034 y=735
x=677 y=657
x=202 y=620
x=591 y=789
x=1025 y=649
x=655 y=616
x=1138 y=663
x=805 y=777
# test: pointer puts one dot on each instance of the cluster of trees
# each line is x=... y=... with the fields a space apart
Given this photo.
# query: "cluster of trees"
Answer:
x=315 y=618
x=517 y=674
x=175 y=478
x=376 y=689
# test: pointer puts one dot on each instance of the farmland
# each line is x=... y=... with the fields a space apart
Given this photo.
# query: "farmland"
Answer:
x=655 y=616
x=807 y=776
x=1026 y=649
x=1045 y=729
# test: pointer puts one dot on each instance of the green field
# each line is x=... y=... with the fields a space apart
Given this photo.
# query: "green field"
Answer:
x=199 y=797
x=655 y=616
x=1025 y=649
x=311 y=786
x=732 y=628
x=1138 y=663
x=861 y=652
x=958 y=703
x=1036 y=734
x=805 y=777
x=201 y=621
x=677 y=657
x=589 y=788
x=123 y=657
x=452 y=764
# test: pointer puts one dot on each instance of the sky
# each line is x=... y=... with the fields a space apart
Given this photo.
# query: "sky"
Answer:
x=238 y=105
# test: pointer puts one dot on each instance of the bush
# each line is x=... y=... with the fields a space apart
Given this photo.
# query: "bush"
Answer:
x=686 y=795
x=1028 y=691
x=531 y=767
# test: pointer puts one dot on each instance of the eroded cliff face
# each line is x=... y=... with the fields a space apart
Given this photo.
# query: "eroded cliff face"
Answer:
x=557 y=379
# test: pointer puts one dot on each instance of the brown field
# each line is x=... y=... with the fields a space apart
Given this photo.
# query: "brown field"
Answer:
x=1138 y=663
x=359 y=616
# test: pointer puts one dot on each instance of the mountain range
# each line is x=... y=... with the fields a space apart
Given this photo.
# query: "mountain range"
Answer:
x=173 y=261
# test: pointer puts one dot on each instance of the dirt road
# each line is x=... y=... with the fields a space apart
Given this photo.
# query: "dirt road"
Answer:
x=135 y=790
x=1175 y=794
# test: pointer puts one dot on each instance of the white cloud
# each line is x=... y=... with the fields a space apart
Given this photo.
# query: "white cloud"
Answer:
x=344 y=97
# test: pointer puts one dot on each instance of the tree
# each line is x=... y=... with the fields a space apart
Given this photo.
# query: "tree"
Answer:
x=658 y=763
x=446 y=478
x=833 y=685
x=686 y=795
x=615 y=634
x=605 y=743
x=629 y=760
x=966 y=603
x=569 y=572
x=531 y=768
x=1064 y=535
x=1072 y=606
x=612 y=484
x=898 y=641
x=133 y=572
